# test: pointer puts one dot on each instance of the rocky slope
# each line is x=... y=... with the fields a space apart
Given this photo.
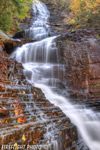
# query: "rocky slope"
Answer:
x=26 y=116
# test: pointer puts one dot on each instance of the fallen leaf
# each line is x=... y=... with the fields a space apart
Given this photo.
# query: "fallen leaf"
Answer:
x=24 y=92
x=6 y=121
x=23 y=137
x=12 y=139
x=15 y=145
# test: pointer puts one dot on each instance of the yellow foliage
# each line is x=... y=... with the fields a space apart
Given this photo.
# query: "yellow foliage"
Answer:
x=84 y=11
x=95 y=12
x=75 y=6
x=16 y=146
x=71 y=21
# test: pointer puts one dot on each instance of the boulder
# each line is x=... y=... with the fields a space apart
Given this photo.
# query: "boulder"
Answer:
x=19 y=35
x=11 y=45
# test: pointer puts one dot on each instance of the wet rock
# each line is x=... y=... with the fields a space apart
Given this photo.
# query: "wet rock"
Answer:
x=11 y=45
x=1 y=49
x=4 y=112
x=32 y=118
x=19 y=35
x=56 y=83
x=28 y=74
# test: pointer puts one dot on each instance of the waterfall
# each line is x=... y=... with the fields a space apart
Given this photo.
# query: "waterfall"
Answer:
x=43 y=69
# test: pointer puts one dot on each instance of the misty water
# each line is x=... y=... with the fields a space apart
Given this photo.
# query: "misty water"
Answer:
x=43 y=69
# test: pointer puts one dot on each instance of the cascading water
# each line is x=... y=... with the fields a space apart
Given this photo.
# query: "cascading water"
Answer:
x=41 y=67
x=39 y=29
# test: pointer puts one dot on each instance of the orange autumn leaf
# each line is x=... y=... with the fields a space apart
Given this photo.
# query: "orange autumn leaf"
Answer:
x=6 y=121
x=21 y=119
x=16 y=112
x=12 y=139
x=23 y=92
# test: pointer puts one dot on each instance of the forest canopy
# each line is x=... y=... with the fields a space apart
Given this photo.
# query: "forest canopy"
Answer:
x=86 y=13
x=11 y=11
x=81 y=13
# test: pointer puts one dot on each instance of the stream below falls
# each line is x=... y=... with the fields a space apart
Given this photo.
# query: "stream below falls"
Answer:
x=43 y=70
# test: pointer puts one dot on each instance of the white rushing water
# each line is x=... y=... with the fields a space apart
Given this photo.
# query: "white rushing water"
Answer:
x=40 y=60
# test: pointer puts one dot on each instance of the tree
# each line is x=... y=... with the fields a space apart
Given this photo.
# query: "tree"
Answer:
x=12 y=10
x=85 y=12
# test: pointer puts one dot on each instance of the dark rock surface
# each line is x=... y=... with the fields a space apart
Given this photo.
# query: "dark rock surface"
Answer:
x=3 y=112
x=19 y=35
x=11 y=45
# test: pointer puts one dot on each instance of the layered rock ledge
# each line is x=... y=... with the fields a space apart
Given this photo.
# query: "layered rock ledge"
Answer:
x=26 y=116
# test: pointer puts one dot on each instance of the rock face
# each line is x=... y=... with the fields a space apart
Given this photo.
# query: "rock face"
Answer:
x=31 y=119
x=81 y=54
x=9 y=45
x=80 y=51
